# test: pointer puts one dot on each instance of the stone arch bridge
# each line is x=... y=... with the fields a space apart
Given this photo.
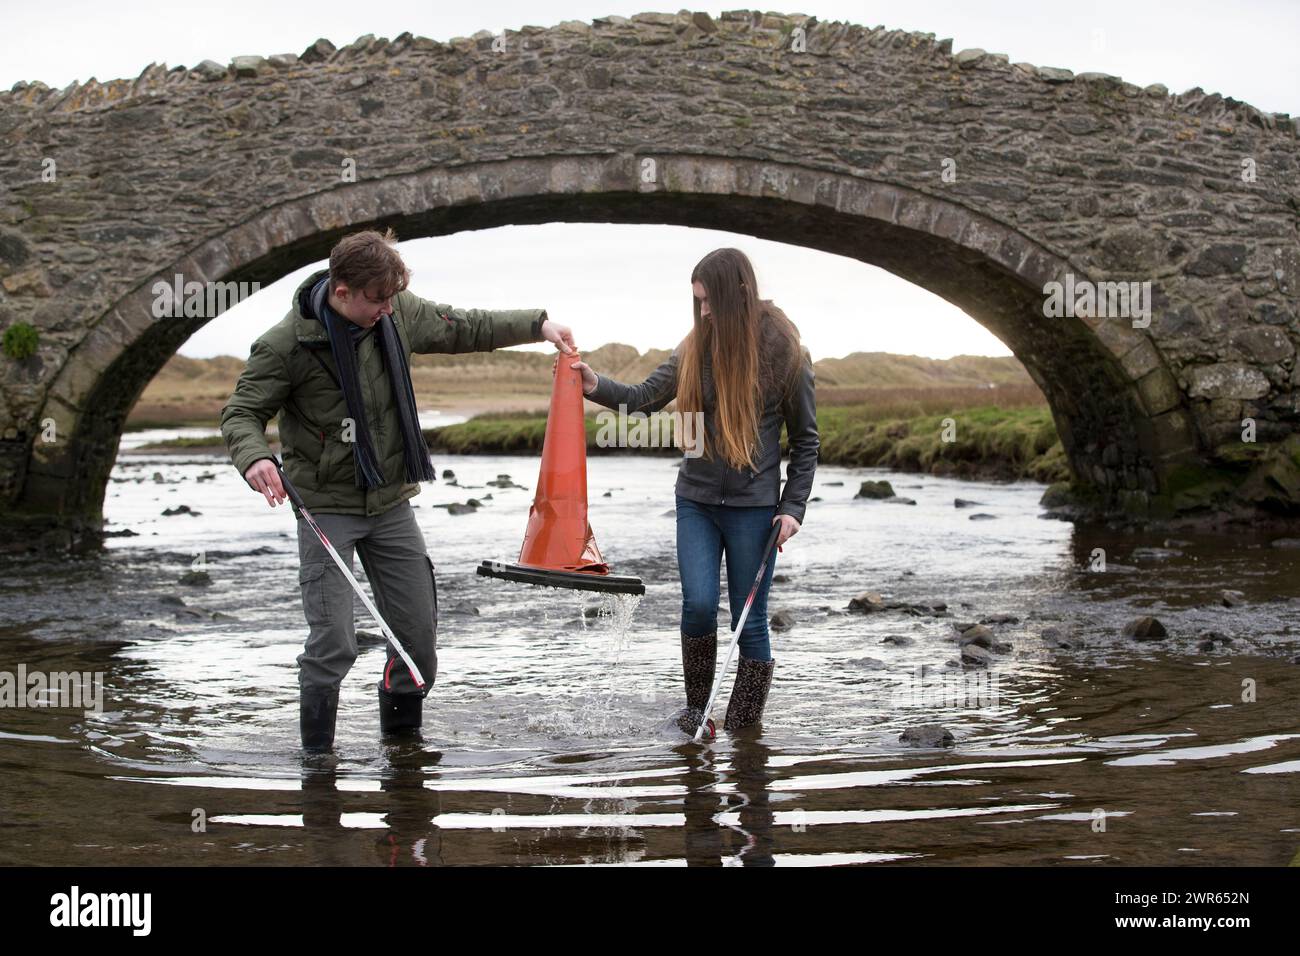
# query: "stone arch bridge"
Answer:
x=982 y=180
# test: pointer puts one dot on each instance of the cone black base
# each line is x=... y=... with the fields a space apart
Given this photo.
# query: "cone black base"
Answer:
x=575 y=580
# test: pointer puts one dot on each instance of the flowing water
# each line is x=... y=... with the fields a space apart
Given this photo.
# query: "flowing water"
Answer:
x=545 y=738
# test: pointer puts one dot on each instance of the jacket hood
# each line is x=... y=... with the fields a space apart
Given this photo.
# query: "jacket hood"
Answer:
x=306 y=326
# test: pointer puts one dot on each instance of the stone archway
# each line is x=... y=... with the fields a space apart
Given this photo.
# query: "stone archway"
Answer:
x=1143 y=412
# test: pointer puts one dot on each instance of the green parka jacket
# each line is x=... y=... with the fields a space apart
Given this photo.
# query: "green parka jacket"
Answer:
x=291 y=372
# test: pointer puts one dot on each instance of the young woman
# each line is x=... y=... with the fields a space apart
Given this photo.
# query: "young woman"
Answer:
x=743 y=366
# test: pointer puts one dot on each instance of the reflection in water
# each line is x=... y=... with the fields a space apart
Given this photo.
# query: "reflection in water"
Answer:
x=545 y=741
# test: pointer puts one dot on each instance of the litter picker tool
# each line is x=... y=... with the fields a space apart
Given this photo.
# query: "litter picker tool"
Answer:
x=559 y=549
x=740 y=626
x=296 y=498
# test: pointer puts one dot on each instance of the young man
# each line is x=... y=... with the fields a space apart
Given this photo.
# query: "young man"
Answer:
x=337 y=371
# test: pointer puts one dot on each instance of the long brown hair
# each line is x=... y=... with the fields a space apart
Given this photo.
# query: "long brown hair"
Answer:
x=753 y=349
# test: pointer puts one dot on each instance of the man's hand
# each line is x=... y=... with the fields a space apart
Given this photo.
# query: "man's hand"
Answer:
x=789 y=528
x=559 y=335
x=262 y=476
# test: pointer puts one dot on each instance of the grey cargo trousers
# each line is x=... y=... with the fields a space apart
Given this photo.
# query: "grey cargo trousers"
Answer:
x=402 y=583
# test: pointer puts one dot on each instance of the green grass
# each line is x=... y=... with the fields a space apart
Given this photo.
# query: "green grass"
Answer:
x=988 y=442
x=211 y=441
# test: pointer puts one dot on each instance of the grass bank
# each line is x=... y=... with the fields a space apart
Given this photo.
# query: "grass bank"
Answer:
x=979 y=442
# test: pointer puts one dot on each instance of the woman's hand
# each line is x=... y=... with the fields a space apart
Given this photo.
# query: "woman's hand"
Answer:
x=789 y=528
x=589 y=378
x=561 y=336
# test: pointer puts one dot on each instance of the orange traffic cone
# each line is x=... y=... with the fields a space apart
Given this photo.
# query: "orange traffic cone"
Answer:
x=559 y=547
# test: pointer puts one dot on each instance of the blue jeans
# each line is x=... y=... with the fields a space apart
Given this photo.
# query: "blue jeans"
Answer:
x=704 y=534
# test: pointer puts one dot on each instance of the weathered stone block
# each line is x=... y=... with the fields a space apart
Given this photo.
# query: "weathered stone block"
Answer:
x=1227 y=381
x=1159 y=392
x=1264 y=344
x=1141 y=359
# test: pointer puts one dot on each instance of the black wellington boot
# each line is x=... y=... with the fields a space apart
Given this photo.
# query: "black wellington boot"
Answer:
x=749 y=695
x=317 y=711
x=400 y=713
x=699 y=664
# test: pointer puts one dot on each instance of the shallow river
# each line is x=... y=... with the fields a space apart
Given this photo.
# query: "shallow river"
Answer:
x=545 y=739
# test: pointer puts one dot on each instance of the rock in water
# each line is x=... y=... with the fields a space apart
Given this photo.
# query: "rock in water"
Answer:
x=927 y=735
x=782 y=621
x=964 y=503
x=979 y=634
x=867 y=602
x=1232 y=598
x=875 y=489
x=1145 y=629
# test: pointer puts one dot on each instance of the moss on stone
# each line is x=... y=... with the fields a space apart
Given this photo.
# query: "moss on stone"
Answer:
x=21 y=340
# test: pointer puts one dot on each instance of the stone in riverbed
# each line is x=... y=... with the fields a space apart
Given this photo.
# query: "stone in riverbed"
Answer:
x=896 y=500
x=1211 y=639
x=1231 y=598
x=1145 y=629
x=979 y=634
x=927 y=735
x=1000 y=619
x=875 y=489
x=1059 y=638
x=963 y=503
x=975 y=655
x=865 y=663
x=867 y=602
x=1156 y=554
x=196 y=579
x=782 y=621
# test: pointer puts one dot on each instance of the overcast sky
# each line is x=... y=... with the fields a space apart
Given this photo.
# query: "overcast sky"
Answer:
x=631 y=283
